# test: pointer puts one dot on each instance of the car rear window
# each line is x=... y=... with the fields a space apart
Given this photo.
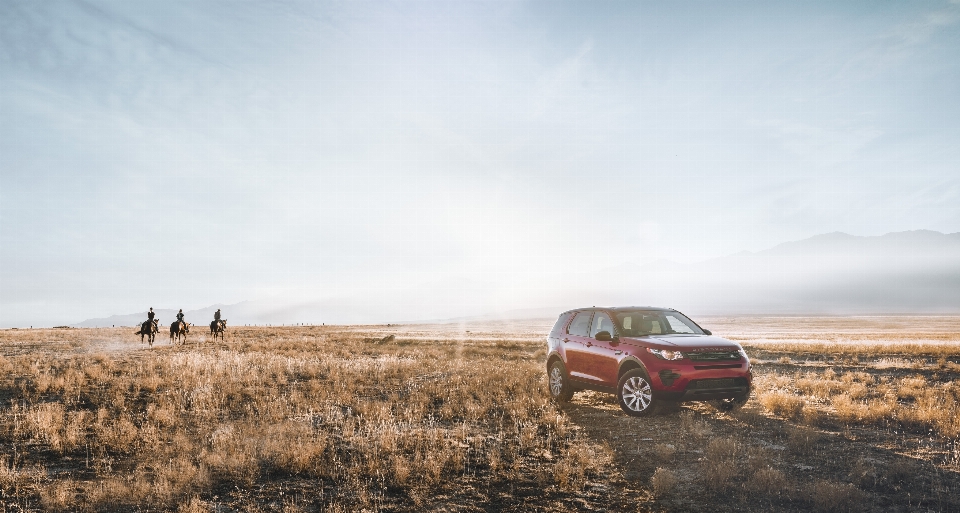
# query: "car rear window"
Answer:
x=561 y=322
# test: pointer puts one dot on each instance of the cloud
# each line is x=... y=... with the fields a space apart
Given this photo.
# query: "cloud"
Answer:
x=916 y=32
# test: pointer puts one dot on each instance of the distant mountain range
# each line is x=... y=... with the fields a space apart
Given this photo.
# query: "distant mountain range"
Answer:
x=836 y=273
x=912 y=272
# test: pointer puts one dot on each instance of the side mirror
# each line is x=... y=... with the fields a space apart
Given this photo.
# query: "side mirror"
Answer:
x=707 y=332
x=604 y=336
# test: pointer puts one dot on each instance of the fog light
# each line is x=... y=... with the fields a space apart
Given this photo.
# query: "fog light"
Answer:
x=667 y=377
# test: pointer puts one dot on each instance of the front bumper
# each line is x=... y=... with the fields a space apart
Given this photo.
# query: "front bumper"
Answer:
x=693 y=381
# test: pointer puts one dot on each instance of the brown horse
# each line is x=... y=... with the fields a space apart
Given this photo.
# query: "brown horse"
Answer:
x=179 y=329
x=217 y=328
x=148 y=329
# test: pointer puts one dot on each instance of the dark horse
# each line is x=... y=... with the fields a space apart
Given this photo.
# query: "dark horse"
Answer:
x=217 y=328
x=148 y=329
x=179 y=329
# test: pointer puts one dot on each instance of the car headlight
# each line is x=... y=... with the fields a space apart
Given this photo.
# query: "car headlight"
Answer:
x=744 y=354
x=666 y=354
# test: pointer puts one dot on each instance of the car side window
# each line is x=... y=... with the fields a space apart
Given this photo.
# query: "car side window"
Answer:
x=580 y=326
x=602 y=322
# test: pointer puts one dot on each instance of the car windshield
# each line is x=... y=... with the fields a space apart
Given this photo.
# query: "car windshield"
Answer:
x=641 y=323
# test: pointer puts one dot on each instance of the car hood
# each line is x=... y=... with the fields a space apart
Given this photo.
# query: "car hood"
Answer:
x=686 y=342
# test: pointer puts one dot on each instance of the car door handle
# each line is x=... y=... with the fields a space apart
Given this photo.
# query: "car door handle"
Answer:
x=589 y=343
x=566 y=340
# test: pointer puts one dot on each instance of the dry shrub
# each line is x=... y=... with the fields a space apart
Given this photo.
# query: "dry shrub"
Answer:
x=49 y=423
x=936 y=408
x=162 y=414
x=293 y=447
x=749 y=416
x=758 y=458
x=803 y=441
x=663 y=452
x=719 y=465
x=578 y=462
x=663 y=482
x=723 y=449
x=399 y=470
x=45 y=423
x=194 y=505
x=915 y=402
x=60 y=495
x=768 y=481
x=18 y=480
x=118 y=493
x=828 y=496
x=696 y=427
x=118 y=434
x=178 y=477
x=232 y=459
x=871 y=411
x=785 y=405
x=857 y=391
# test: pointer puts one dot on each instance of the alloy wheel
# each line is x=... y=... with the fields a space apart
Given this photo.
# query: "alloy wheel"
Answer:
x=556 y=381
x=637 y=394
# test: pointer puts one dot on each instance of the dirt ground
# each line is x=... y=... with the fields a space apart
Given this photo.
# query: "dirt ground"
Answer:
x=848 y=414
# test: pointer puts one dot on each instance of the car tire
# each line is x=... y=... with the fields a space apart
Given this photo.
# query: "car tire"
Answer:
x=558 y=382
x=635 y=394
x=730 y=405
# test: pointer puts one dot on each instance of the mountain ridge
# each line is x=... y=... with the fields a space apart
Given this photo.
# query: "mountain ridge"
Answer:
x=835 y=273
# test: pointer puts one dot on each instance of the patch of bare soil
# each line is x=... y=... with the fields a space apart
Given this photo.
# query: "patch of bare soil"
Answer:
x=751 y=461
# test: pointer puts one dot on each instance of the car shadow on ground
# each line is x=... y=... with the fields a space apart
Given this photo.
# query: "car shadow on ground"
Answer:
x=751 y=461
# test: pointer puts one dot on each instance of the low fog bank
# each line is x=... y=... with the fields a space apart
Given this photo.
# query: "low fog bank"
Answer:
x=914 y=272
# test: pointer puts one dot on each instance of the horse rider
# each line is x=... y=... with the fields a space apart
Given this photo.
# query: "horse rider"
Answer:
x=216 y=315
x=180 y=316
x=151 y=316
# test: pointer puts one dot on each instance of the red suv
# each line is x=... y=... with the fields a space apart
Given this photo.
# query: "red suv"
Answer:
x=645 y=356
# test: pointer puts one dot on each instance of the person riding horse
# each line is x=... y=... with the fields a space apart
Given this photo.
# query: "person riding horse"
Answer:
x=217 y=326
x=179 y=328
x=186 y=326
x=150 y=327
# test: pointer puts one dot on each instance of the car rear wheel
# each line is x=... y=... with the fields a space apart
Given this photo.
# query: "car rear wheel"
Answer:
x=636 y=394
x=559 y=383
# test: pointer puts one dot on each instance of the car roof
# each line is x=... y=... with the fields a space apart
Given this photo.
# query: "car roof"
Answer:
x=622 y=308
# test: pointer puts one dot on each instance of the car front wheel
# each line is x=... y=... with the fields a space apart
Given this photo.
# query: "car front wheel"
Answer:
x=559 y=383
x=636 y=394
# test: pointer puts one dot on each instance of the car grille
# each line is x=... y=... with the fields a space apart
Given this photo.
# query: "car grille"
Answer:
x=720 y=356
x=701 y=384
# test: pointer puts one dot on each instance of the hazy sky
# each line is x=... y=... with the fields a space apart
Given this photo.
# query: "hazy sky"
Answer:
x=178 y=154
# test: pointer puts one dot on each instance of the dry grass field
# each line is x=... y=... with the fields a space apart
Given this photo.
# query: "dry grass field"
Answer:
x=849 y=414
